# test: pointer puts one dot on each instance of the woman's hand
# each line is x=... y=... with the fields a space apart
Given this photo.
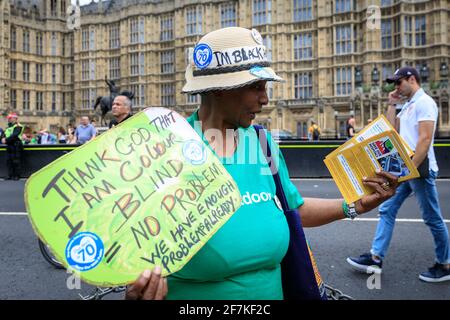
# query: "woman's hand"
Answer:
x=384 y=185
x=149 y=286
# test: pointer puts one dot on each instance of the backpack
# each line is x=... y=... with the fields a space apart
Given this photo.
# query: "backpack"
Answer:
x=316 y=132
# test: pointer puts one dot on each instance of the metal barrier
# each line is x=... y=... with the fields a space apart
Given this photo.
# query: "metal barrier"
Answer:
x=303 y=158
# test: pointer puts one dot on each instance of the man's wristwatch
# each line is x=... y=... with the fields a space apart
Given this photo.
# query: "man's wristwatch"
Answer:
x=349 y=210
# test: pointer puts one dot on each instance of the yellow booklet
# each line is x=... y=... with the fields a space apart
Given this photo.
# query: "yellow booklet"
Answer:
x=386 y=151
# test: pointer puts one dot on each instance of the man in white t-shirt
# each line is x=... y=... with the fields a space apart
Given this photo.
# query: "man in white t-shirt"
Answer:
x=417 y=123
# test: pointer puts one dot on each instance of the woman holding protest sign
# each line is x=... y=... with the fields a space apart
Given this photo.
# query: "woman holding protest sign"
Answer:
x=243 y=260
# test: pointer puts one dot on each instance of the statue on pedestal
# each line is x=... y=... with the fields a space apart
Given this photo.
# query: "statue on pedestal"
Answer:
x=107 y=101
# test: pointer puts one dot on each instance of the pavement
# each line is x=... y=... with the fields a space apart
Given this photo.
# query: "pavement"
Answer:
x=26 y=275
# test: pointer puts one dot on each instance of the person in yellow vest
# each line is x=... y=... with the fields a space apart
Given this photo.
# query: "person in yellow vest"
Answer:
x=314 y=132
x=14 y=146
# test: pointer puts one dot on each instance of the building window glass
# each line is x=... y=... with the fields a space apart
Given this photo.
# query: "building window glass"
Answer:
x=26 y=41
x=13 y=40
x=85 y=40
x=407 y=27
x=420 y=29
x=167 y=94
x=85 y=70
x=13 y=70
x=64 y=100
x=167 y=61
x=114 y=68
x=63 y=75
x=85 y=100
x=303 y=85
x=39 y=73
x=139 y=95
x=39 y=101
x=343 y=81
x=53 y=10
x=267 y=42
x=194 y=21
x=13 y=98
x=114 y=36
x=26 y=71
x=26 y=100
x=166 y=28
x=39 y=44
x=302 y=129
x=342 y=6
x=53 y=101
x=192 y=99
x=344 y=39
x=269 y=89
x=445 y=114
x=137 y=64
x=137 y=29
x=54 y=39
x=397 y=32
x=262 y=12
x=53 y=73
x=92 y=69
x=303 y=46
x=386 y=71
x=228 y=15
x=386 y=34
x=92 y=39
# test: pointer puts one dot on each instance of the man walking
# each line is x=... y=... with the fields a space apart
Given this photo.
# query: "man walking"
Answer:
x=14 y=146
x=417 y=123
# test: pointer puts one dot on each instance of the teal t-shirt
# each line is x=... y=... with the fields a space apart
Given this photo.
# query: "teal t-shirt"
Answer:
x=242 y=259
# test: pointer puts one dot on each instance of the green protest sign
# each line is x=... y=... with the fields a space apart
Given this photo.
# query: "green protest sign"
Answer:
x=148 y=192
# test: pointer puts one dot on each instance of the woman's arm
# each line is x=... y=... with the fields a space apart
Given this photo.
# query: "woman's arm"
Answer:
x=316 y=212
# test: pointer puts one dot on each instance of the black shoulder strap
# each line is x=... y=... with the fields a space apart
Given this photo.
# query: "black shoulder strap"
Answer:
x=265 y=146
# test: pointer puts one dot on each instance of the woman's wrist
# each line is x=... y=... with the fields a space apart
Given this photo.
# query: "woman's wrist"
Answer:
x=349 y=210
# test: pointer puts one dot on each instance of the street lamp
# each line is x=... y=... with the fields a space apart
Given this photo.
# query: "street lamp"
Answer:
x=375 y=76
x=443 y=72
x=358 y=77
x=424 y=73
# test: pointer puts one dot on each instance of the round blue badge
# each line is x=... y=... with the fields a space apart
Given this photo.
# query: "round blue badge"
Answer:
x=261 y=73
x=84 y=251
x=202 y=55
x=194 y=152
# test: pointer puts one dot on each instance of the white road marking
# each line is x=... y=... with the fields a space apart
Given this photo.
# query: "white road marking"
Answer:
x=396 y=220
x=329 y=179
x=13 y=214
x=357 y=219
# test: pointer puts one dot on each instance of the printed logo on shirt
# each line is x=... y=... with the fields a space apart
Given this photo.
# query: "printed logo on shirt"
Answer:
x=253 y=198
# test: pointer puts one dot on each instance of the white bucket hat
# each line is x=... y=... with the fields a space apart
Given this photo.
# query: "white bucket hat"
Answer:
x=227 y=58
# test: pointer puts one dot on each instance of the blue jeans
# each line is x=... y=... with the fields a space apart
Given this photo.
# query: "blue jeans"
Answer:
x=427 y=196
